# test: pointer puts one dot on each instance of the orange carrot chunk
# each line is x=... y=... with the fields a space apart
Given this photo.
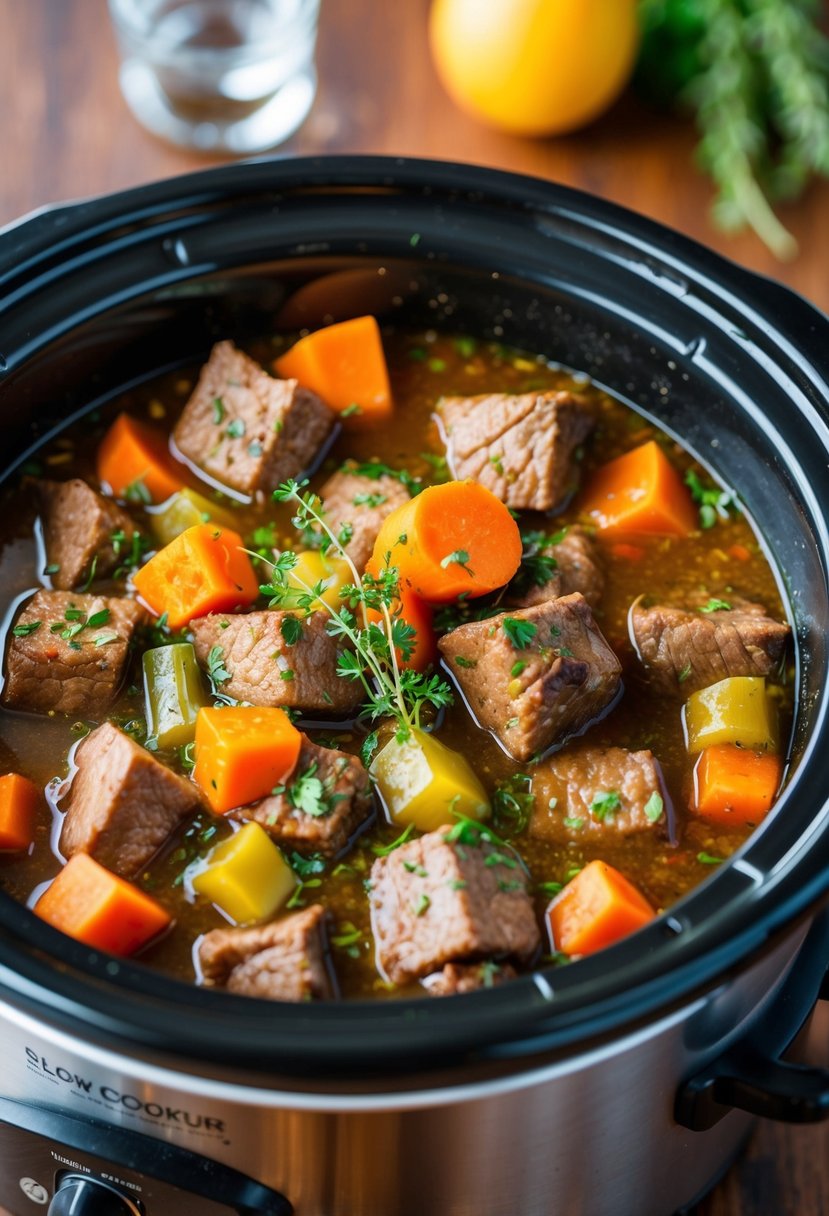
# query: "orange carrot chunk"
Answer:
x=451 y=540
x=242 y=752
x=639 y=492
x=203 y=570
x=596 y=908
x=734 y=784
x=417 y=614
x=133 y=460
x=345 y=365
x=100 y=909
x=19 y=799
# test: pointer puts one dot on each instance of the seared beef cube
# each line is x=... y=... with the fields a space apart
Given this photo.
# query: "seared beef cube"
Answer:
x=521 y=447
x=576 y=568
x=68 y=653
x=449 y=896
x=246 y=429
x=78 y=530
x=123 y=803
x=267 y=669
x=534 y=676
x=596 y=793
x=284 y=960
x=324 y=803
x=457 y=978
x=361 y=503
x=686 y=650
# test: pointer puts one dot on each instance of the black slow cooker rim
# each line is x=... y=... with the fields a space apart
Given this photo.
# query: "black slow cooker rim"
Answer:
x=667 y=962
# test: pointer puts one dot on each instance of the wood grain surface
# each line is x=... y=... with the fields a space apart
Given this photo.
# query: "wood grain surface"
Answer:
x=67 y=134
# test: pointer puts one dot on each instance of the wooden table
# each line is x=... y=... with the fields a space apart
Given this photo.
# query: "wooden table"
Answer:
x=66 y=133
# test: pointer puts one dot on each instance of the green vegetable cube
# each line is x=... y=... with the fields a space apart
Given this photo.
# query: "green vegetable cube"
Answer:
x=173 y=694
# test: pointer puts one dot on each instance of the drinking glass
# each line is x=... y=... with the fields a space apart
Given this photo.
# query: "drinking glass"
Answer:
x=232 y=76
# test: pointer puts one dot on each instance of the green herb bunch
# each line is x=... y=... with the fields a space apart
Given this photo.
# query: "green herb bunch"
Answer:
x=369 y=621
x=756 y=75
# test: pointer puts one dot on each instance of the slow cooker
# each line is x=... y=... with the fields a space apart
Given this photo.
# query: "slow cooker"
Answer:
x=620 y=1086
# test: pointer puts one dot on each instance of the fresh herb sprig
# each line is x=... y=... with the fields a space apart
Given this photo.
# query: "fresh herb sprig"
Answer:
x=369 y=620
x=756 y=75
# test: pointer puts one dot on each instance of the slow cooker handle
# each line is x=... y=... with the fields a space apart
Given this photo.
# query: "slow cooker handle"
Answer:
x=750 y=1076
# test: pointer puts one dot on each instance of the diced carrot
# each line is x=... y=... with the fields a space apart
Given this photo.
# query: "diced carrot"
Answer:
x=416 y=613
x=450 y=540
x=19 y=799
x=345 y=365
x=134 y=462
x=640 y=492
x=596 y=908
x=628 y=553
x=740 y=553
x=734 y=784
x=242 y=752
x=100 y=909
x=205 y=569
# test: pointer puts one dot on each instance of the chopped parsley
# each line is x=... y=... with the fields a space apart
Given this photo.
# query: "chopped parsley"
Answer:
x=369 y=500
x=368 y=748
x=574 y=822
x=218 y=410
x=236 y=428
x=512 y=803
x=23 y=631
x=654 y=807
x=137 y=492
x=519 y=632
x=604 y=803
x=462 y=662
x=715 y=605
x=458 y=557
x=422 y=905
x=713 y=503
x=291 y=630
x=351 y=410
x=684 y=674
x=383 y=850
x=706 y=859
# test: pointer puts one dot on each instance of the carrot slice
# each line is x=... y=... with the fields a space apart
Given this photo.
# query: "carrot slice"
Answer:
x=596 y=908
x=242 y=752
x=134 y=462
x=628 y=553
x=640 y=492
x=734 y=784
x=416 y=613
x=346 y=366
x=100 y=909
x=450 y=540
x=19 y=799
x=205 y=569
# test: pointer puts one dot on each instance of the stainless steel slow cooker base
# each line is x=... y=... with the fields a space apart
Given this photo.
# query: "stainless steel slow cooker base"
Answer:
x=593 y=1134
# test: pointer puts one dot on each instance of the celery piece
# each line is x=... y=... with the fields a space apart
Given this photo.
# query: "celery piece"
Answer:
x=173 y=694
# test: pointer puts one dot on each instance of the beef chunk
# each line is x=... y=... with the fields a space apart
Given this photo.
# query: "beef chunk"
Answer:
x=467 y=977
x=363 y=503
x=522 y=447
x=449 y=896
x=266 y=670
x=246 y=429
x=123 y=804
x=596 y=792
x=68 y=653
x=324 y=803
x=284 y=960
x=576 y=568
x=532 y=695
x=684 y=650
x=78 y=527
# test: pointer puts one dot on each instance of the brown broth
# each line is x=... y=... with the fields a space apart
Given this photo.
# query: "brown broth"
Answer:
x=422 y=367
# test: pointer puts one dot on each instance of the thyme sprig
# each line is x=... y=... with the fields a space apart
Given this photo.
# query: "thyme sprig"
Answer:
x=369 y=619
